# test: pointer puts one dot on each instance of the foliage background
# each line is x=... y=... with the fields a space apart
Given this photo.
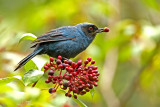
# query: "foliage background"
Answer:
x=128 y=56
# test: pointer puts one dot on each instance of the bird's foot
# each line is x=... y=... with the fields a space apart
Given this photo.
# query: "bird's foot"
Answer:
x=63 y=58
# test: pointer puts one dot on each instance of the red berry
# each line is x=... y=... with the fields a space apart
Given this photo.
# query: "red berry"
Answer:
x=47 y=81
x=75 y=90
x=90 y=78
x=75 y=96
x=90 y=72
x=79 y=62
x=86 y=68
x=63 y=64
x=49 y=77
x=97 y=80
x=69 y=95
x=61 y=83
x=89 y=75
x=66 y=94
x=67 y=77
x=91 y=86
x=93 y=62
x=95 y=84
x=94 y=74
x=65 y=84
x=58 y=61
x=95 y=67
x=67 y=68
x=60 y=57
x=106 y=29
x=82 y=78
x=95 y=71
x=51 y=72
x=91 y=66
x=53 y=90
x=54 y=77
x=83 y=92
x=73 y=64
x=84 y=72
x=98 y=74
x=79 y=69
x=53 y=81
x=80 y=82
x=70 y=75
x=67 y=65
x=76 y=84
x=74 y=73
x=60 y=66
x=46 y=67
x=51 y=59
x=84 y=86
x=64 y=88
x=65 y=61
x=87 y=85
x=59 y=76
x=80 y=88
x=70 y=62
x=86 y=81
x=70 y=69
x=89 y=59
x=86 y=62
x=87 y=90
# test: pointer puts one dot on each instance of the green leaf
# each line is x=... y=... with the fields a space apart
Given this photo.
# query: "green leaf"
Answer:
x=152 y=3
x=32 y=76
x=4 y=81
x=28 y=36
x=79 y=102
x=5 y=89
x=30 y=65
x=61 y=91
x=42 y=69
x=92 y=91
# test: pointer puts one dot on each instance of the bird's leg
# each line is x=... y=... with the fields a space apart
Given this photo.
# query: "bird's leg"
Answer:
x=63 y=58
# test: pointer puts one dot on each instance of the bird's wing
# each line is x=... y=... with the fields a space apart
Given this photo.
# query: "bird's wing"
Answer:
x=53 y=36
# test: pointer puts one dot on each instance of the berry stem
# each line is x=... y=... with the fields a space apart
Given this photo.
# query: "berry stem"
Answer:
x=34 y=83
x=55 y=85
x=64 y=74
x=60 y=72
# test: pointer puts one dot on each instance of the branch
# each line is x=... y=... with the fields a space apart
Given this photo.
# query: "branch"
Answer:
x=108 y=73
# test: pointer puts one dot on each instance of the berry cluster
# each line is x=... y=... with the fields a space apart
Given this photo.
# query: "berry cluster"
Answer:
x=77 y=77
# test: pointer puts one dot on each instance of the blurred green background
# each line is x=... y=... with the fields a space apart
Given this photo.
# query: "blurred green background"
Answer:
x=128 y=57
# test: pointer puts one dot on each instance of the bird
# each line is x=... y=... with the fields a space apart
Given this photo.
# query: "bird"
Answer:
x=66 y=41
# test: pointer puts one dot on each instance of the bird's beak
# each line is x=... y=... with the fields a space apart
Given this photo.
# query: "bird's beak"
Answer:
x=106 y=29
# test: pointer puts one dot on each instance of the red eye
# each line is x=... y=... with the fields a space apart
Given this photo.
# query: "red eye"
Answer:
x=90 y=28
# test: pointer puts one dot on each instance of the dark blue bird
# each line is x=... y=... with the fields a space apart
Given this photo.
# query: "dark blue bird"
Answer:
x=67 y=41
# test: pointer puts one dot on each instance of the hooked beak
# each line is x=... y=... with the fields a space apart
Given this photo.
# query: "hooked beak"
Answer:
x=106 y=29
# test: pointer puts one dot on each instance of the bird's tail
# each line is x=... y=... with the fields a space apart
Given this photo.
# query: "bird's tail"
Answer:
x=27 y=58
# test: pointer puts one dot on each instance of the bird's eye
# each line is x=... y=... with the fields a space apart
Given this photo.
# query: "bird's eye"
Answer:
x=90 y=28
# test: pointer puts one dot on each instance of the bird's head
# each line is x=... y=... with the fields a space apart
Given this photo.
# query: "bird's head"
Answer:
x=90 y=29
